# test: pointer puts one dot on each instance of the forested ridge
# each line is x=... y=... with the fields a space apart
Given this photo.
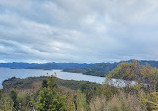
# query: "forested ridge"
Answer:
x=102 y=69
x=80 y=67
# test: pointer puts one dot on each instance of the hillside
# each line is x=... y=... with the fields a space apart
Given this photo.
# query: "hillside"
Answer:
x=102 y=69
x=31 y=83
x=50 y=93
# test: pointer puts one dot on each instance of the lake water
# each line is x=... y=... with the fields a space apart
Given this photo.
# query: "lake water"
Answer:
x=6 y=73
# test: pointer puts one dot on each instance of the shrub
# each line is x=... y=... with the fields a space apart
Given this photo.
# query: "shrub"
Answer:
x=119 y=102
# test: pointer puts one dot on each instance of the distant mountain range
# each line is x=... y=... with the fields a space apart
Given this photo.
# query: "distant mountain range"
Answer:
x=46 y=66
x=102 y=69
x=96 y=69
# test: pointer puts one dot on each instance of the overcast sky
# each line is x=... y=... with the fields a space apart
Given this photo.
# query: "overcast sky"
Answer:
x=78 y=30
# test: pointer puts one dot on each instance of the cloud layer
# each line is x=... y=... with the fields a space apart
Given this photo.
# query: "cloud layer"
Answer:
x=78 y=31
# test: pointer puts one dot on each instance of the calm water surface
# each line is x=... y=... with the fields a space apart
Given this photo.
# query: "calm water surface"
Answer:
x=6 y=73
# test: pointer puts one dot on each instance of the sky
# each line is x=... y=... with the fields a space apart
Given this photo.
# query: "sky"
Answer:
x=83 y=31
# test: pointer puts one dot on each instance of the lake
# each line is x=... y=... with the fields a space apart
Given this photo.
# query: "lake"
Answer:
x=6 y=73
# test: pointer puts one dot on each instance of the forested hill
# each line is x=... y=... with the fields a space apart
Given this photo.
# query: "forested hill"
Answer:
x=75 y=67
x=111 y=66
x=102 y=69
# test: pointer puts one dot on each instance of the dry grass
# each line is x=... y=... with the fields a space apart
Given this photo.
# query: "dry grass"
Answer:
x=121 y=102
x=68 y=90
x=34 y=87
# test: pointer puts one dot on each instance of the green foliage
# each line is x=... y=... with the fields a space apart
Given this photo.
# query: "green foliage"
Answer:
x=52 y=83
x=133 y=71
x=149 y=99
x=27 y=83
x=109 y=91
x=89 y=91
x=126 y=71
x=83 y=87
x=13 y=95
x=6 y=104
x=157 y=87
x=1 y=93
x=82 y=105
x=17 y=83
x=44 y=83
x=50 y=99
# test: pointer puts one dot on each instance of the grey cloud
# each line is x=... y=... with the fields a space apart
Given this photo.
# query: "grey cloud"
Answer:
x=78 y=31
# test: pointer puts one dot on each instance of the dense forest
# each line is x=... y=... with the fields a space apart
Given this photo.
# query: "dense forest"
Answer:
x=52 y=94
